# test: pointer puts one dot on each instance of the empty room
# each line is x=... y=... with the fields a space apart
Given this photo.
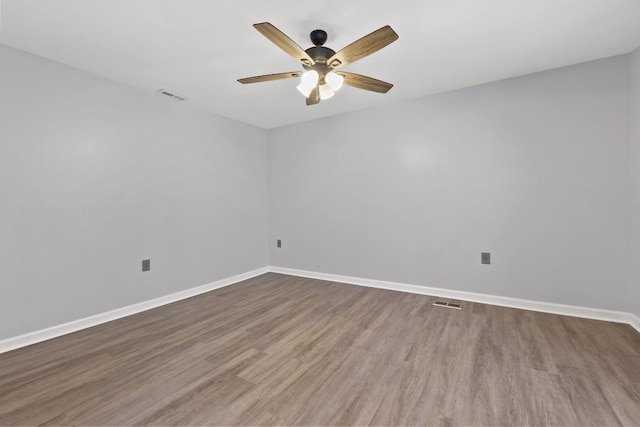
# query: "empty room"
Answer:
x=337 y=213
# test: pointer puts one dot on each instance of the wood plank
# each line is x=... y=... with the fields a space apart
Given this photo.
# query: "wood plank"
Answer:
x=283 y=350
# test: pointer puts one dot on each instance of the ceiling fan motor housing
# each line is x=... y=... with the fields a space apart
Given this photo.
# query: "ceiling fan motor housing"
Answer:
x=320 y=54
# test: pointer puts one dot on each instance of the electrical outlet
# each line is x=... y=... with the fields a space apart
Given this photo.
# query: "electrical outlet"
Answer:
x=486 y=258
x=146 y=264
x=279 y=243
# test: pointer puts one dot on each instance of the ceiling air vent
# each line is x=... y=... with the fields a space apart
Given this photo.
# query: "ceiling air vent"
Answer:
x=172 y=95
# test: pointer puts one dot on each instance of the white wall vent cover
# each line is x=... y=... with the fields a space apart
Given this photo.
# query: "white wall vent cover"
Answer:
x=172 y=95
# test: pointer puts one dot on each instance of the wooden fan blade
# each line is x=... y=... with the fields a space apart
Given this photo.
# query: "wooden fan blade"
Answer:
x=269 y=77
x=314 y=96
x=364 y=82
x=281 y=40
x=363 y=47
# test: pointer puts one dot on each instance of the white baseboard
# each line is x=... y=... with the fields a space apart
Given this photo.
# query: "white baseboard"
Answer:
x=76 y=325
x=546 y=307
x=634 y=321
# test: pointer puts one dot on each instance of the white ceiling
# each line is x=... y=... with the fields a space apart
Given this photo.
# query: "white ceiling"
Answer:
x=199 y=48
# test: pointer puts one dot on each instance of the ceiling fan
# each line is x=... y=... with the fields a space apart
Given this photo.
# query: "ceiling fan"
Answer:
x=320 y=81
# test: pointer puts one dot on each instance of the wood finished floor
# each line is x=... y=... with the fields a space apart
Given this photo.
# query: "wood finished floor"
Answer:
x=291 y=351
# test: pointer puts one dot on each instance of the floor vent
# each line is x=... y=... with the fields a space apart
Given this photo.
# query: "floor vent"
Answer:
x=452 y=305
x=172 y=95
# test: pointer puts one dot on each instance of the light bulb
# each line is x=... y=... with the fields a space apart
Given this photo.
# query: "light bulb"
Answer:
x=325 y=92
x=334 y=81
x=308 y=81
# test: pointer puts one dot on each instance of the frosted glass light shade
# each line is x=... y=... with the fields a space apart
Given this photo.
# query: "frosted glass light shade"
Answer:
x=303 y=90
x=325 y=92
x=308 y=81
x=334 y=81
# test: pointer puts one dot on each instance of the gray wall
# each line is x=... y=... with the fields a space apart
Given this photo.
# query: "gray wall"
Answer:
x=635 y=178
x=95 y=176
x=534 y=170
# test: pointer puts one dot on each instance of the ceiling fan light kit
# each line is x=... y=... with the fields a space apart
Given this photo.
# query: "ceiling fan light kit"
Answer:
x=308 y=81
x=325 y=92
x=334 y=80
x=320 y=81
